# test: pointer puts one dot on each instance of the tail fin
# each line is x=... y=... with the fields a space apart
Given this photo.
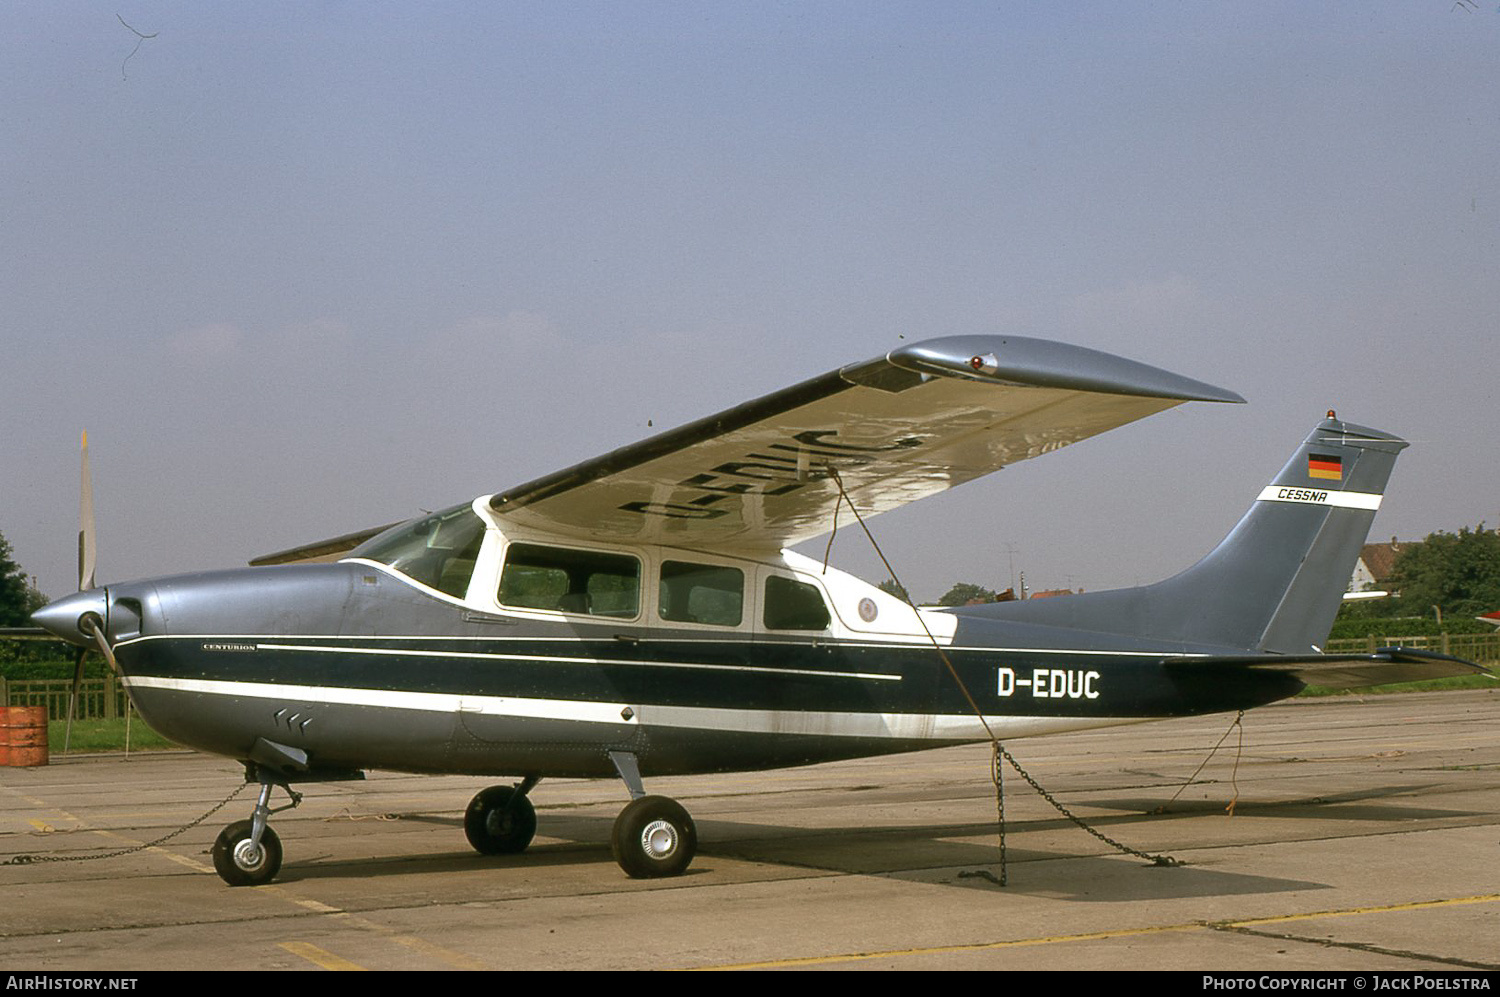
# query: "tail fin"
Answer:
x=1276 y=581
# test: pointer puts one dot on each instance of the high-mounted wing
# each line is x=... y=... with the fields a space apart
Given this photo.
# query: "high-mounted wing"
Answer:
x=917 y=421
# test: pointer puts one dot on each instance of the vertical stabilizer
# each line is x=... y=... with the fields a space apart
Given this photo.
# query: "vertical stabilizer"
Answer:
x=1283 y=571
x=1276 y=581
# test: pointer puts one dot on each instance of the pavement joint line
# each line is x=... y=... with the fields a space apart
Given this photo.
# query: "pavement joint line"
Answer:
x=83 y=825
x=951 y=949
x=1248 y=927
x=44 y=805
x=1330 y=943
x=435 y=951
x=1104 y=935
x=321 y=957
x=431 y=949
x=456 y=959
x=1482 y=898
x=192 y=864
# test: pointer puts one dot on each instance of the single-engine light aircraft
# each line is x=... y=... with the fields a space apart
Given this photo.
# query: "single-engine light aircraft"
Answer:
x=639 y=614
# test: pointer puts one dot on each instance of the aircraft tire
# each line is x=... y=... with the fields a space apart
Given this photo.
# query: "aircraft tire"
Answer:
x=236 y=865
x=500 y=821
x=654 y=837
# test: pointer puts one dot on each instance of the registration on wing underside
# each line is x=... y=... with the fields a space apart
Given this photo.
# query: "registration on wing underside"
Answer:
x=919 y=421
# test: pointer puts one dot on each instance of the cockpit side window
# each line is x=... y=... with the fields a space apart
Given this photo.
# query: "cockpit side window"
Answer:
x=560 y=579
x=438 y=551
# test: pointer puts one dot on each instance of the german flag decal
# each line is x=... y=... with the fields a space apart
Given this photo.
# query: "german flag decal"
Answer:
x=1325 y=466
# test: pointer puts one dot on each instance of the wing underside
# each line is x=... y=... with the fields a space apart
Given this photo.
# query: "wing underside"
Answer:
x=918 y=421
x=766 y=474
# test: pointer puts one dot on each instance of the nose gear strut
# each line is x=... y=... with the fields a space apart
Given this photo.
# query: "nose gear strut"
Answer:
x=248 y=852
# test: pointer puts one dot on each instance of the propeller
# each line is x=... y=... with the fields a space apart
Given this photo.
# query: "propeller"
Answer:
x=85 y=575
x=80 y=618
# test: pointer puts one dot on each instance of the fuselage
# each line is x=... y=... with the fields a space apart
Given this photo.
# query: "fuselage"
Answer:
x=539 y=656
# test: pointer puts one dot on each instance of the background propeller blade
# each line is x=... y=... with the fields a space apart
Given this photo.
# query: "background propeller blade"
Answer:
x=85 y=522
x=85 y=574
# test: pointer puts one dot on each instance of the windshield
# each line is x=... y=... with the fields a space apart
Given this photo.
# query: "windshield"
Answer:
x=438 y=551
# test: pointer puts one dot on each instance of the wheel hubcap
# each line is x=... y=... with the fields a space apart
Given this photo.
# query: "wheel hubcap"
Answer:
x=659 y=839
x=248 y=856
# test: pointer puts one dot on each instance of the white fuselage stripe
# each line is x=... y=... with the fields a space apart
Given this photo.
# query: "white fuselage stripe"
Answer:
x=576 y=660
x=427 y=702
x=894 y=726
x=759 y=645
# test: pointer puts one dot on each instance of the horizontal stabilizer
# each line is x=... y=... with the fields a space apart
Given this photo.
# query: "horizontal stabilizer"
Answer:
x=1344 y=671
x=321 y=551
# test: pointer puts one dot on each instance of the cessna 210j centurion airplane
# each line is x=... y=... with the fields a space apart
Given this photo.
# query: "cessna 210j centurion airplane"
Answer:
x=638 y=614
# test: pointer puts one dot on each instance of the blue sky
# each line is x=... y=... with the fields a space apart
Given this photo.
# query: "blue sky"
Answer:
x=303 y=268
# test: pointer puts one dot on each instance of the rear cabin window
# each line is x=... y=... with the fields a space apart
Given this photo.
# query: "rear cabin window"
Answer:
x=702 y=593
x=560 y=579
x=794 y=605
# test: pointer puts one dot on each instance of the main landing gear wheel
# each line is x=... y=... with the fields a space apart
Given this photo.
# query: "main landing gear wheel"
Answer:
x=654 y=837
x=239 y=862
x=500 y=821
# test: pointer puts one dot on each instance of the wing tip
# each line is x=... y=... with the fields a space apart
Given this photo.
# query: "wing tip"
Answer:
x=1051 y=364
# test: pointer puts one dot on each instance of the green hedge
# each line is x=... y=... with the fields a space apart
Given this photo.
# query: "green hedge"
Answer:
x=44 y=659
x=1406 y=626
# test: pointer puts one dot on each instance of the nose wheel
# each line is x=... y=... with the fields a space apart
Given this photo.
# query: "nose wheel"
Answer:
x=248 y=852
x=241 y=861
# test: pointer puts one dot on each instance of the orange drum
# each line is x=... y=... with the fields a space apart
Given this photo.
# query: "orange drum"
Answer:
x=23 y=736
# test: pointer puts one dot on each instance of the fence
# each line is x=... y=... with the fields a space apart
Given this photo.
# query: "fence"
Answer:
x=97 y=698
x=1483 y=648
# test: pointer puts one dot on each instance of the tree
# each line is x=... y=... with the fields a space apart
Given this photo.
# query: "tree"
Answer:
x=963 y=593
x=892 y=587
x=18 y=600
x=1459 y=572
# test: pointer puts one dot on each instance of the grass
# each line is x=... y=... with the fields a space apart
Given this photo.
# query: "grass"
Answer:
x=1426 y=685
x=105 y=735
